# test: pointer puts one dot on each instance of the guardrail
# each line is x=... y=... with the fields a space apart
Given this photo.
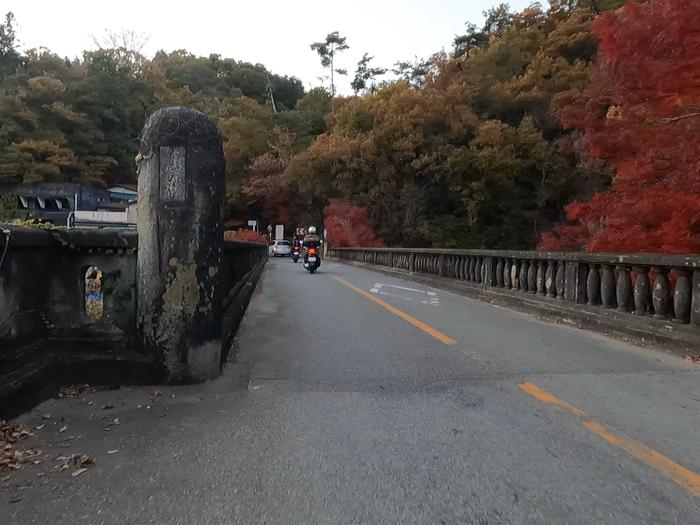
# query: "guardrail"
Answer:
x=663 y=287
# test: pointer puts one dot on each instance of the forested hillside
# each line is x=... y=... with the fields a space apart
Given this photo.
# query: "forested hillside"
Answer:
x=570 y=126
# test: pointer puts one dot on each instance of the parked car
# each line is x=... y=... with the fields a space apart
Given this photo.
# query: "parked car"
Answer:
x=281 y=248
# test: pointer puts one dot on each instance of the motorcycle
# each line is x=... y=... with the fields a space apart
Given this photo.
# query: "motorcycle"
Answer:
x=312 y=260
x=295 y=253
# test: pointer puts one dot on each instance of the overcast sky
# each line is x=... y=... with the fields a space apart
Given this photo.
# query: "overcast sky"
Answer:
x=276 y=33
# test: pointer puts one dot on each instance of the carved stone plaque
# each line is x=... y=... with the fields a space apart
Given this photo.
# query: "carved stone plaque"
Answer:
x=172 y=174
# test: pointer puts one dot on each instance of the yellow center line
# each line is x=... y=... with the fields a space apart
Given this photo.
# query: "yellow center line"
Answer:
x=687 y=479
x=403 y=315
x=548 y=398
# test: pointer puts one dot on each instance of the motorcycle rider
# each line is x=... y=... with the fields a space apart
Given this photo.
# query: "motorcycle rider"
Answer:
x=310 y=239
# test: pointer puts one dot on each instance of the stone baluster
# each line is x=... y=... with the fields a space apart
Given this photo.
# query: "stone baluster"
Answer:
x=550 y=284
x=682 y=296
x=522 y=279
x=607 y=287
x=541 y=270
x=506 y=274
x=559 y=279
x=642 y=291
x=499 y=273
x=593 y=285
x=623 y=289
x=660 y=293
x=514 y=274
x=532 y=277
x=479 y=263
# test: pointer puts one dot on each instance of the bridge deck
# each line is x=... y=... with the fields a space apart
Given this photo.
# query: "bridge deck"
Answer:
x=361 y=398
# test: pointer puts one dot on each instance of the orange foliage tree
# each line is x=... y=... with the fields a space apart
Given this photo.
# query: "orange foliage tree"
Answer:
x=640 y=118
x=348 y=225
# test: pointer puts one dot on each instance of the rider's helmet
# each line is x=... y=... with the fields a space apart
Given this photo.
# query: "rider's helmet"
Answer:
x=312 y=230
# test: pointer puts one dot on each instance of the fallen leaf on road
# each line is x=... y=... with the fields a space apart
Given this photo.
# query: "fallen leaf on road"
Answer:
x=45 y=416
x=39 y=427
x=113 y=451
x=78 y=472
x=108 y=406
x=82 y=461
x=62 y=429
x=72 y=390
x=12 y=456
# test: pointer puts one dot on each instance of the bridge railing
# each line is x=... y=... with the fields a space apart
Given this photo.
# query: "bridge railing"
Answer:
x=665 y=287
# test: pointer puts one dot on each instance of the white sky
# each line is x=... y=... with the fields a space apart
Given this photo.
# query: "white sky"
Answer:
x=276 y=33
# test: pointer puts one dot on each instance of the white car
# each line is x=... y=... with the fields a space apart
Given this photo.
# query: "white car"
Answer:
x=281 y=248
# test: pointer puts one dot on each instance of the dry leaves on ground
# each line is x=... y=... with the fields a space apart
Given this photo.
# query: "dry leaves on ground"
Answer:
x=81 y=461
x=72 y=390
x=12 y=455
x=693 y=358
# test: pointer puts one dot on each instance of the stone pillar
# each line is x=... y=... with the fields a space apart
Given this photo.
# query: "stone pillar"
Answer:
x=180 y=194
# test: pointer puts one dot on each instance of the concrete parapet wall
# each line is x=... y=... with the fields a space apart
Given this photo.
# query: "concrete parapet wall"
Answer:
x=47 y=335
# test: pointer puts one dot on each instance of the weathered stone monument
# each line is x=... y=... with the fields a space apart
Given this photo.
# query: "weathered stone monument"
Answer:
x=180 y=192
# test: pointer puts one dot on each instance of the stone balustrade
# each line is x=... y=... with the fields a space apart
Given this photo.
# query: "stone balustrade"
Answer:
x=641 y=286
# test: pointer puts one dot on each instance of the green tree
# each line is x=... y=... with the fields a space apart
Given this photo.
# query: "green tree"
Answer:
x=10 y=59
x=365 y=75
x=327 y=50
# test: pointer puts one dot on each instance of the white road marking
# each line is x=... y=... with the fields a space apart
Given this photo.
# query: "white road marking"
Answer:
x=432 y=297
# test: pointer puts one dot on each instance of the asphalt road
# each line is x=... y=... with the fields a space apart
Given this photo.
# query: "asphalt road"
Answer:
x=362 y=398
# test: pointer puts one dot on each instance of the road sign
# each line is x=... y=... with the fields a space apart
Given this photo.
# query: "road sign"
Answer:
x=279 y=232
x=269 y=228
x=254 y=224
x=301 y=232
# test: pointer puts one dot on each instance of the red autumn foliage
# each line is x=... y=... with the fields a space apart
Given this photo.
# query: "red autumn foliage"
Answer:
x=348 y=225
x=244 y=235
x=640 y=115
